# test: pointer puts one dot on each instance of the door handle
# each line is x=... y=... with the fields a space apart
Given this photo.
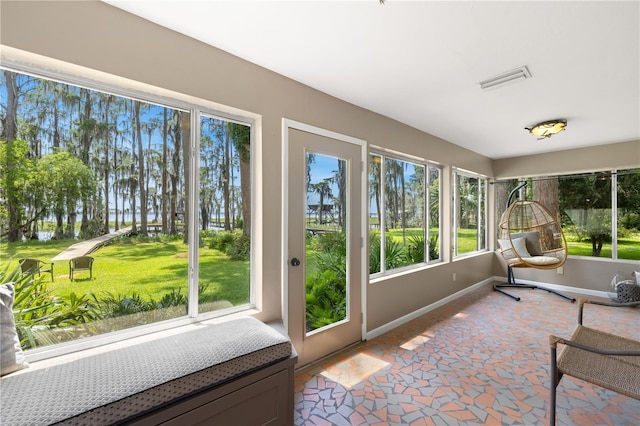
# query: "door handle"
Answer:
x=295 y=262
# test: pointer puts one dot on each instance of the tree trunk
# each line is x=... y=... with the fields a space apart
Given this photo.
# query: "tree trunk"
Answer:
x=106 y=170
x=85 y=140
x=185 y=143
x=225 y=178
x=141 y=171
x=546 y=192
x=163 y=200
x=10 y=133
x=502 y=190
x=245 y=190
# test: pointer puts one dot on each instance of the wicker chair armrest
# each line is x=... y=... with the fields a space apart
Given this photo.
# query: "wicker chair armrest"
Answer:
x=555 y=340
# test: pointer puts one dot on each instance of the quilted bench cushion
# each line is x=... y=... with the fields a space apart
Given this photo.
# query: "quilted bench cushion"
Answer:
x=121 y=384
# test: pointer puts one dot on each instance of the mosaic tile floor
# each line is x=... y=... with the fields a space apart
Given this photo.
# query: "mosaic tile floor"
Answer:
x=481 y=359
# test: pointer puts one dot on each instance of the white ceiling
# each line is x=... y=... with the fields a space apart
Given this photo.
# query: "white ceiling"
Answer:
x=420 y=62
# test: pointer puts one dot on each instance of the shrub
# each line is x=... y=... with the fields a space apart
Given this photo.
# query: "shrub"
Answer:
x=396 y=255
x=434 y=252
x=35 y=308
x=235 y=244
x=326 y=299
x=415 y=249
x=631 y=221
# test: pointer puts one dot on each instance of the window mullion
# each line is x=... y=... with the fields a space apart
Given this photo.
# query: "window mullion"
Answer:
x=614 y=215
x=383 y=214
x=193 y=221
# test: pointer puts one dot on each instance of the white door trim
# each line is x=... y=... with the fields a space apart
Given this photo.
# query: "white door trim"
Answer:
x=292 y=124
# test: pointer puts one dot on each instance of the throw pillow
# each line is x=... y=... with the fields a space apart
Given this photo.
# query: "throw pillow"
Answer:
x=533 y=242
x=11 y=356
x=520 y=246
x=505 y=247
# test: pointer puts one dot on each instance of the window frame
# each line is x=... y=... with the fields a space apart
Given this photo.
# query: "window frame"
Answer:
x=613 y=173
x=397 y=156
x=65 y=73
x=482 y=228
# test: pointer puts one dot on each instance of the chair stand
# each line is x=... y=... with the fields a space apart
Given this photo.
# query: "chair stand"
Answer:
x=511 y=283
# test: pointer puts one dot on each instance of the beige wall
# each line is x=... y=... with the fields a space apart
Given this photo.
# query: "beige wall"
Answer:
x=97 y=36
x=624 y=155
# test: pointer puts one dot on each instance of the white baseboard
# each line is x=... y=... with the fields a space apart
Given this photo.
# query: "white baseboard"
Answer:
x=415 y=314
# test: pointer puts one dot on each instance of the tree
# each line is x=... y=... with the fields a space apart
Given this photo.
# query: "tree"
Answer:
x=587 y=200
x=241 y=137
x=323 y=189
x=10 y=173
x=374 y=183
x=65 y=181
x=15 y=168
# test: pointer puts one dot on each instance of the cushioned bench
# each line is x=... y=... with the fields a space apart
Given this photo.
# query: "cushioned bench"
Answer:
x=210 y=373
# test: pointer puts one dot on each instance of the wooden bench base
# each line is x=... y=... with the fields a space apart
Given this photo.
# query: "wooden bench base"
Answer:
x=264 y=397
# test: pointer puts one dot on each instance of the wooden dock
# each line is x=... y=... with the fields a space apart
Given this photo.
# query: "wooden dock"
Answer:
x=83 y=248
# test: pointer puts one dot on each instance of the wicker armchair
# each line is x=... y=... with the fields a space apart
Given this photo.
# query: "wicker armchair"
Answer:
x=81 y=263
x=597 y=357
x=35 y=266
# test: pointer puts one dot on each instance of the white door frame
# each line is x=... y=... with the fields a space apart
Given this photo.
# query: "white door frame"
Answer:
x=292 y=124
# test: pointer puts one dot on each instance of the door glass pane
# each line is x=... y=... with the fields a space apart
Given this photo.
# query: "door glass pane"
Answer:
x=326 y=243
x=224 y=214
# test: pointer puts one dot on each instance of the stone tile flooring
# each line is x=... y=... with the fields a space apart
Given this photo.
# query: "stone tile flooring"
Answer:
x=481 y=359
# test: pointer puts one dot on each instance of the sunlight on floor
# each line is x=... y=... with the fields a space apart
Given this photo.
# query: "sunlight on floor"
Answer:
x=417 y=341
x=354 y=369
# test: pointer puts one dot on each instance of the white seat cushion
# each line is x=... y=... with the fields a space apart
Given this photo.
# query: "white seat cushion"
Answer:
x=541 y=260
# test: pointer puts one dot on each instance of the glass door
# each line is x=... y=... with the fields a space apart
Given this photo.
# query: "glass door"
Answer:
x=324 y=244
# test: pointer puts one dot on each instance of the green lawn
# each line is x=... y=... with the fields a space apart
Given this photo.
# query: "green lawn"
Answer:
x=628 y=248
x=150 y=269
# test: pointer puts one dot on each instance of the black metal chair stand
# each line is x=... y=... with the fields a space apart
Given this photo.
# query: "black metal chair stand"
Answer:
x=511 y=283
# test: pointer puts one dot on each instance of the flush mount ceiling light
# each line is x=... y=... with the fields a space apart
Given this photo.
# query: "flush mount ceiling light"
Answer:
x=546 y=129
x=521 y=73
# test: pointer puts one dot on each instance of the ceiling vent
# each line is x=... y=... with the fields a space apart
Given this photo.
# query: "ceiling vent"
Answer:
x=512 y=76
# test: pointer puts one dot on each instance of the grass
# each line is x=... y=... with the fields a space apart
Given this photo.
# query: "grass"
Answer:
x=628 y=248
x=467 y=240
x=150 y=269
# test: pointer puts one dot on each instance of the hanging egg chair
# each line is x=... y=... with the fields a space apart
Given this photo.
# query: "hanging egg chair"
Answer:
x=529 y=236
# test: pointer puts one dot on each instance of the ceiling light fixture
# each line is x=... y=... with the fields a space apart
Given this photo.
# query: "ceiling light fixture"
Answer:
x=546 y=129
x=517 y=74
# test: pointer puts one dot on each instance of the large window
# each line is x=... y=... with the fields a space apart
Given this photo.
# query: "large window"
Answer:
x=469 y=213
x=117 y=177
x=599 y=211
x=404 y=213
x=627 y=207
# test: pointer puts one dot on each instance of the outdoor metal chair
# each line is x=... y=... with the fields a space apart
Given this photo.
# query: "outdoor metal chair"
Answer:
x=35 y=266
x=81 y=263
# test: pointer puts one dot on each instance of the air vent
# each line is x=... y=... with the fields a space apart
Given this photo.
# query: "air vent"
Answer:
x=499 y=80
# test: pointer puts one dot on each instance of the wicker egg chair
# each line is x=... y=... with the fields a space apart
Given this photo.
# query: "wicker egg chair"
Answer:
x=530 y=237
